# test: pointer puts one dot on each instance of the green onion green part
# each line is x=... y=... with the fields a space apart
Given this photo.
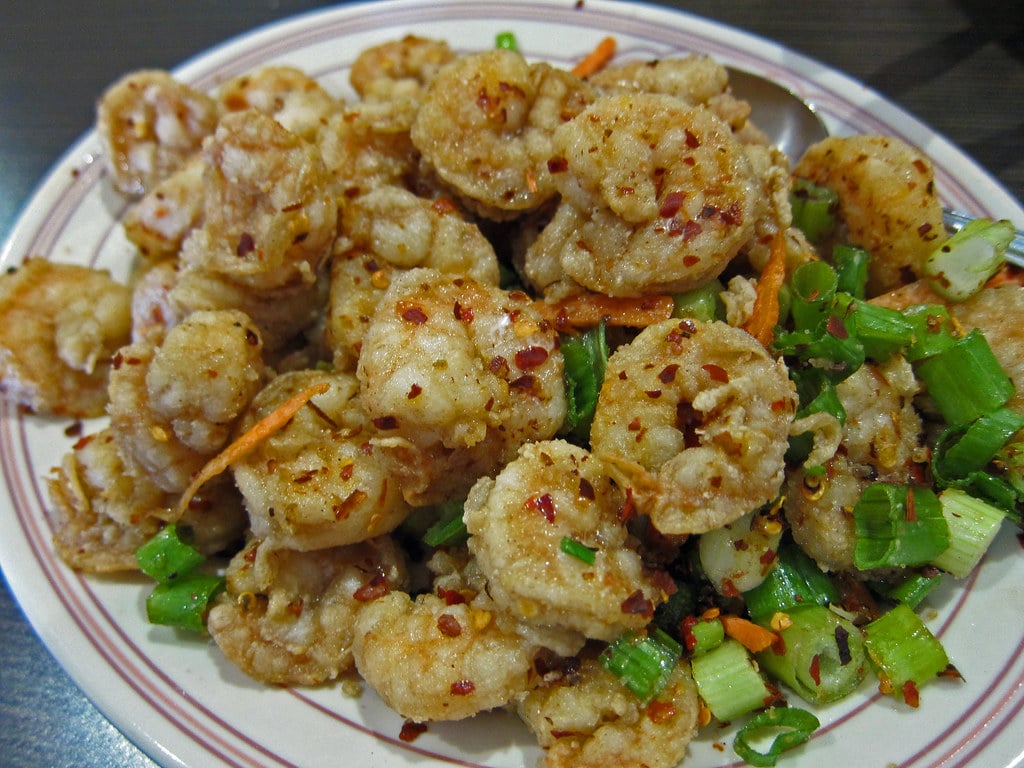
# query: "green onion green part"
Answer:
x=821 y=657
x=585 y=358
x=506 y=40
x=793 y=582
x=450 y=530
x=912 y=589
x=703 y=303
x=580 y=551
x=183 y=602
x=961 y=266
x=973 y=525
x=168 y=555
x=932 y=331
x=703 y=635
x=796 y=726
x=898 y=525
x=729 y=681
x=814 y=209
x=903 y=649
x=962 y=450
x=813 y=286
x=851 y=263
x=644 y=662
x=965 y=381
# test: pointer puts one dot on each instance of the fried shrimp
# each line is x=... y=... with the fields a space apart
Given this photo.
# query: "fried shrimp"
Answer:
x=657 y=196
x=518 y=522
x=887 y=202
x=316 y=483
x=150 y=124
x=159 y=222
x=485 y=127
x=387 y=230
x=269 y=220
x=586 y=718
x=398 y=68
x=695 y=417
x=173 y=406
x=289 y=617
x=60 y=325
x=294 y=99
x=457 y=375
x=880 y=441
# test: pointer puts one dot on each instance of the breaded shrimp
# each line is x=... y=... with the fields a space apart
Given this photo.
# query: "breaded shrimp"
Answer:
x=657 y=196
x=586 y=718
x=153 y=312
x=173 y=406
x=457 y=375
x=887 y=202
x=102 y=512
x=269 y=219
x=159 y=222
x=290 y=96
x=60 y=325
x=880 y=441
x=391 y=229
x=150 y=124
x=316 y=483
x=486 y=126
x=289 y=617
x=517 y=523
x=398 y=68
x=695 y=418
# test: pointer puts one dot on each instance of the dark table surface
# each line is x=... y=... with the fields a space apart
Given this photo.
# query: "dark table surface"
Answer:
x=958 y=65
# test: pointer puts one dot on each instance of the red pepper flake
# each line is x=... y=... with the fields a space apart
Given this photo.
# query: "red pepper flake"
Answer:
x=664 y=582
x=690 y=230
x=628 y=509
x=586 y=491
x=531 y=357
x=295 y=607
x=378 y=586
x=668 y=373
x=74 y=429
x=463 y=314
x=635 y=425
x=412 y=313
x=386 y=422
x=558 y=165
x=347 y=471
x=463 y=687
x=911 y=695
x=411 y=731
x=692 y=141
x=660 y=712
x=911 y=511
x=654 y=394
x=815 y=669
x=637 y=604
x=448 y=625
x=443 y=206
x=451 y=596
x=82 y=442
x=716 y=372
x=690 y=260
x=835 y=327
x=252 y=338
x=686 y=632
x=672 y=203
x=543 y=504
x=527 y=384
x=246 y=245
x=843 y=644
x=414 y=391
x=729 y=589
x=498 y=366
x=350 y=502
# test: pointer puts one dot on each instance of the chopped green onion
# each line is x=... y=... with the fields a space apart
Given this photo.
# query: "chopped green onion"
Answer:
x=643 y=662
x=703 y=303
x=450 y=530
x=903 y=648
x=585 y=358
x=973 y=525
x=794 y=581
x=702 y=635
x=821 y=657
x=814 y=209
x=578 y=550
x=912 y=588
x=851 y=265
x=965 y=380
x=996 y=491
x=797 y=726
x=728 y=680
x=881 y=330
x=960 y=451
x=506 y=40
x=167 y=555
x=183 y=601
x=933 y=330
x=897 y=526
x=813 y=286
x=959 y=267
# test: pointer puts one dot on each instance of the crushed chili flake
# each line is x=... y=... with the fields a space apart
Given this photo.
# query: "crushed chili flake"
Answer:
x=74 y=429
x=911 y=511
x=668 y=373
x=246 y=245
x=527 y=384
x=412 y=313
x=543 y=504
x=716 y=372
x=448 y=625
x=349 y=503
x=911 y=695
x=729 y=589
x=692 y=140
x=462 y=314
x=558 y=165
x=628 y=509
x=835 y=327
x=414 y=391
x=531 y=357
x=660 y=712
x=443 y=206
x=411 y=731
x=378 y=586
x=638 y=604
x=463 y=687
x=386 y=422
x=843 y=644
x=671 y=204
x=586 y=490
x=451 y=596
x=815 y=669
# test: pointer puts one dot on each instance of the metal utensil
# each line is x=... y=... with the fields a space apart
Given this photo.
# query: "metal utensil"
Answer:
x=793 y=125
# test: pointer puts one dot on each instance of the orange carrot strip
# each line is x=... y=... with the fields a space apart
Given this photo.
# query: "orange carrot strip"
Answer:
x=597 y=59
x=751 y=636
x=590 y=309
x=259 y=432
x=766 y=304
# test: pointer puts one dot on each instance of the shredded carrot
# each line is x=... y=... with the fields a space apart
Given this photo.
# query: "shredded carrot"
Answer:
x=751 y=636
x=587 y=310
x=248 y=441
x=597 y=59
x=766 y=304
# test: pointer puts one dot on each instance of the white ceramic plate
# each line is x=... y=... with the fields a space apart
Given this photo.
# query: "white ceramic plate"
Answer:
x=176 y=697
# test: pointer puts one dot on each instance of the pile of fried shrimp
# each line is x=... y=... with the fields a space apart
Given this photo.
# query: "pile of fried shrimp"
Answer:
x=398 y=271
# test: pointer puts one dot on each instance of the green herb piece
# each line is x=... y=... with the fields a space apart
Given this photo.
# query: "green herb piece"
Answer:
x=958 y=268
x=898 y=526
x=168 y=555
x=729 y=681
x=580 y=551
x=644 y=662
x=585 y=358
x=973 y=526
x=903 y=649
x=814 y=209
x=182 y=602
x=796 y=726
x=506 y=40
